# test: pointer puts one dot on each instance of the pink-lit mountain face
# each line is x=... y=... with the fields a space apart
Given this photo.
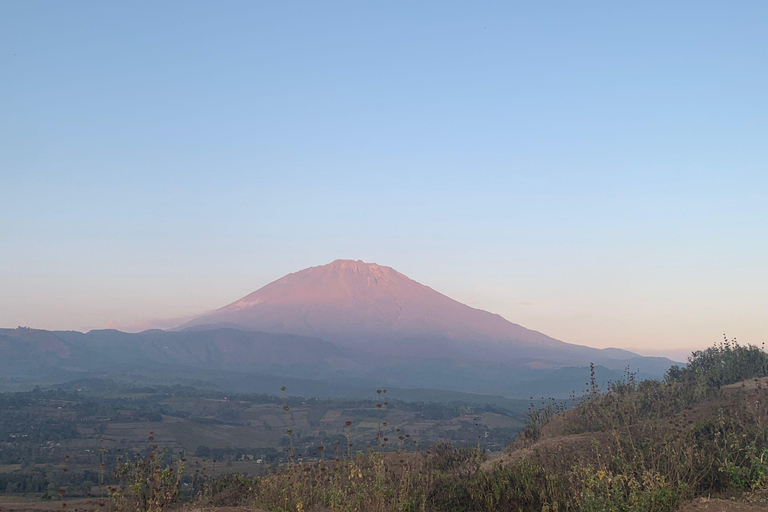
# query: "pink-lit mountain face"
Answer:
x=357 y=304
x=347 y=327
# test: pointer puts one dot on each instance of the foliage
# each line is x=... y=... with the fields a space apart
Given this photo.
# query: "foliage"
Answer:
x=724 y=363
x=634 y=446
x=645 y=452
x=147 y=484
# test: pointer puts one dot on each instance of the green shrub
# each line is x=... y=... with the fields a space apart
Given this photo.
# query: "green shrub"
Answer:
x=147 y=484
x=724 y=363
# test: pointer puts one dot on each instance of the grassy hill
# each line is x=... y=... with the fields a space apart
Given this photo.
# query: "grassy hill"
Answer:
x=696 y=440
x=635 y=446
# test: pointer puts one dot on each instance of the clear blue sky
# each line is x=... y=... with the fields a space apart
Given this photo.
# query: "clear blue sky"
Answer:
x=594 y=170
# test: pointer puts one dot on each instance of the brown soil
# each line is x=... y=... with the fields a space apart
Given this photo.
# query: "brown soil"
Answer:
x=91 y=506
x=81 y=505
x=224 y=509
x=718 y=505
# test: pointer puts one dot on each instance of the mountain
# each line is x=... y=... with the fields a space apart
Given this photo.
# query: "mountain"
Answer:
x=377 y=309
x=232 y=359
x=236 y=360
x=340 y=329
x=346 y=300
x=221 y=349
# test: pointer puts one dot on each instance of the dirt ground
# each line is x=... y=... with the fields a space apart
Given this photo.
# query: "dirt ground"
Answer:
x=90 y=505
x=226 y=509
x=718 y=505
x=80 y=505
x=700 y=505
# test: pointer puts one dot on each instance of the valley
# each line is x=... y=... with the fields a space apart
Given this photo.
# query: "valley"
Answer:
x=74 y=426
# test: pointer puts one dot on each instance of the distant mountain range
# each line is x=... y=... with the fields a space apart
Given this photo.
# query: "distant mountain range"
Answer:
x=337 y=329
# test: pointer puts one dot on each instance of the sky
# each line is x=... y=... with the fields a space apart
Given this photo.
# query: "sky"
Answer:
x=597 y=171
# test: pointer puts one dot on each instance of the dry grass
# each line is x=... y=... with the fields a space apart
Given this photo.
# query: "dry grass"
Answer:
x=634 y=447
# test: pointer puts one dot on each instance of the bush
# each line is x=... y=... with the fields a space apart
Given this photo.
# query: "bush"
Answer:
x=638 y=451
x=147 y=484
x=724 y=363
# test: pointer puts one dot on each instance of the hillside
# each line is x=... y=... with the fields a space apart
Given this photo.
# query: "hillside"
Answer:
x=696 y=441
x=241 y=360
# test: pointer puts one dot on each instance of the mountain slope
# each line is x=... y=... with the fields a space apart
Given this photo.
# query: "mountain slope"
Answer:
x=377 y=309
x=242 y=360
x=348 y=325
x=30 y=354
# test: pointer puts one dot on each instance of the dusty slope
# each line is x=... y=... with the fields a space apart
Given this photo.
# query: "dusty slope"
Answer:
x=555 y=442
x=556 y=445
x=718 y=505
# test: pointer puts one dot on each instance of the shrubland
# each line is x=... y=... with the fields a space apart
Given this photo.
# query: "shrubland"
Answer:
x=635 y=445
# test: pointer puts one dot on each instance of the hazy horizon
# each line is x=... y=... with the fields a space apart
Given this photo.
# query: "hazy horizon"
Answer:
x=594 y=172
x=677 y=354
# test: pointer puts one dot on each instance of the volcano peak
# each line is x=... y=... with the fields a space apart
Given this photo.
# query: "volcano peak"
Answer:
x=352 y=302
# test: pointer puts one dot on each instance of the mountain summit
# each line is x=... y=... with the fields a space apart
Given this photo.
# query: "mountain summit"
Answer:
x=365 y=305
